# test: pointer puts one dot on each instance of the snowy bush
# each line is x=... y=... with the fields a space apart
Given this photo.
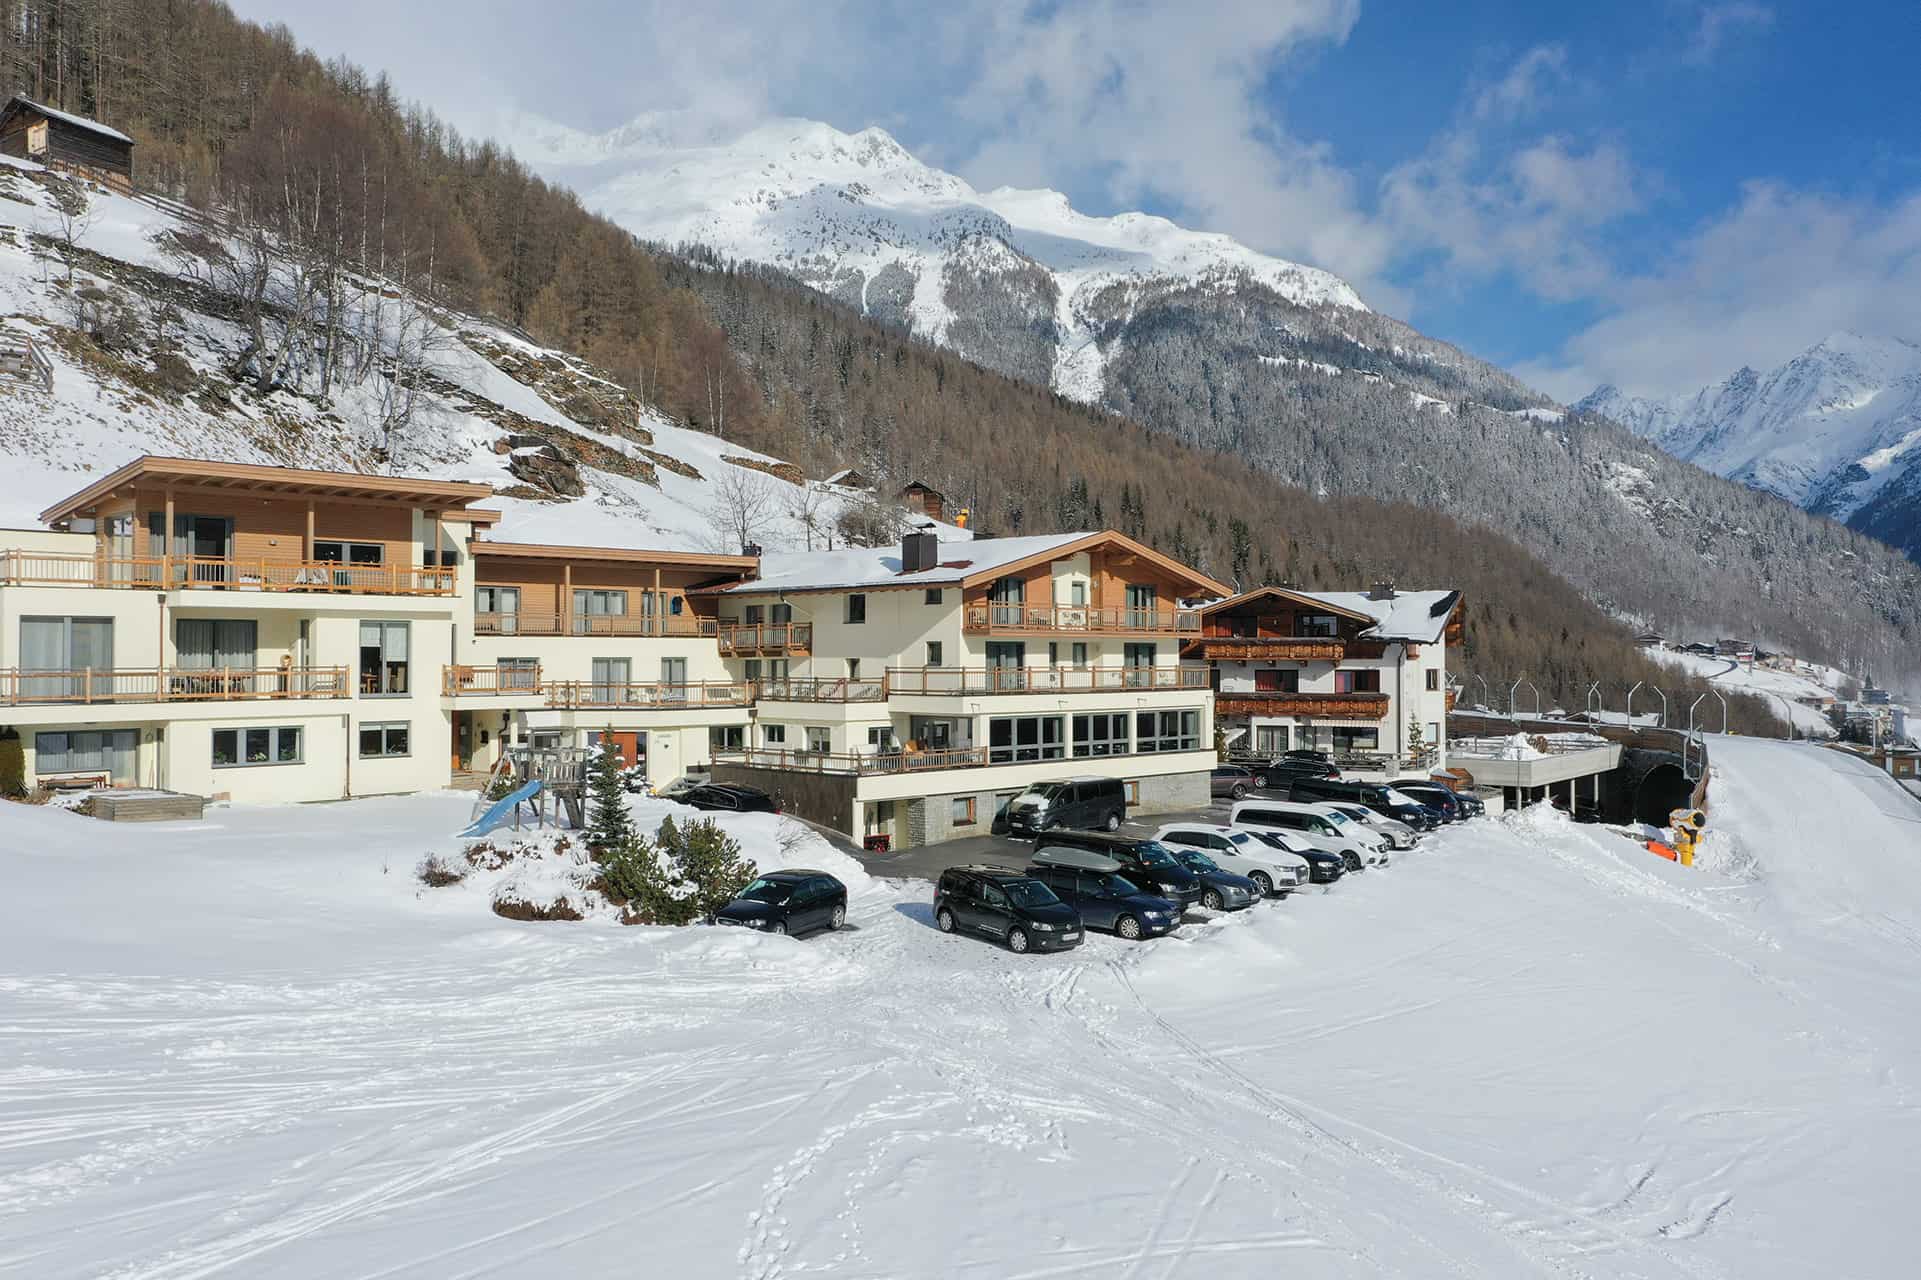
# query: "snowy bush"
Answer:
x=437 y=871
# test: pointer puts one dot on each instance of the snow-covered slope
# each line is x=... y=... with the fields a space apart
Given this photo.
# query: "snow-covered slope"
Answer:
x=1525 y=1050
x=860 y=218
x=1837 y=429
x=159 y=384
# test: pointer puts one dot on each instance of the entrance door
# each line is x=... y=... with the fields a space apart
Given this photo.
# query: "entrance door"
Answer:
x=1006 y=599
x=628 y=745
x=463 y=741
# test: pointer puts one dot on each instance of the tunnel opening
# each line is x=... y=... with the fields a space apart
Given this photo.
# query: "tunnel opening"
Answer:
x=1661 y=791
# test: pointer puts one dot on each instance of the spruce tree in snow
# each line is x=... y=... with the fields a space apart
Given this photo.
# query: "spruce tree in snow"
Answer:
x=712 y=866
x=609 y=827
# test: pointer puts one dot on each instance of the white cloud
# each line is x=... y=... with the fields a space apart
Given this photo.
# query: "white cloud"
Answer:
x=1716 y=23
x=1776 y=274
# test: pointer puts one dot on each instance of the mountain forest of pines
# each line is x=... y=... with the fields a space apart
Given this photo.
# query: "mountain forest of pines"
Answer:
x=320 y=166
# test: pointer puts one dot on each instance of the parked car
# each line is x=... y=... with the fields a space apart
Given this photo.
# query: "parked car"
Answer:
x=1094 y=886
x=1279 y=775
x=1307 y=753
x=1434 y=795
x=682 y=785
x=1085 y=804
x=728 y=797
x=1397 y=834
x=1328 y=832
x=1323 y=867
x=1272 y=871
x=1232 y=782
x=1378 y=796
x=1010 y=905
x=794 y=900
x=1146 y=862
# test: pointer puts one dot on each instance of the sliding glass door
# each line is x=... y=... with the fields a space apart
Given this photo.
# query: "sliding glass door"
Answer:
x=71 y=647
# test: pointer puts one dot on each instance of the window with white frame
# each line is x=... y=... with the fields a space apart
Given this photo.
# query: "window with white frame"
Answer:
x=1019 y=738
x=385 y=741
x=820 y=740
x=1270 y=739
x=961 y=811
x=1167 y=731
x=1103 y=733
x=517 y=673
x=1348 y=739
x=238 y=748
x=383 y=659
x=774 y=735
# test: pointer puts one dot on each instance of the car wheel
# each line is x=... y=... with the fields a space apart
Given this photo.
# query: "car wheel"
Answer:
x=839 y=917
x=1261 y=882
x=779 y=926
x=1113 y=822
x=1212 y=900
x=1128 y=927
x=1017 y=941
x=1239 y=792
x=944 y=920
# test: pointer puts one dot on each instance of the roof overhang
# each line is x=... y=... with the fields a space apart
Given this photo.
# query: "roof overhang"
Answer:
x=1202 y=584
x=247 y=477
x=1298 y=598
x=621 y=555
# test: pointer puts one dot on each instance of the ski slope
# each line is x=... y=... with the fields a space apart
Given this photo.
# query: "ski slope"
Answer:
x=256 y=1046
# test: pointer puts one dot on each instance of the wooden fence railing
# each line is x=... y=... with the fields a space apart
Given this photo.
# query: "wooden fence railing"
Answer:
x=172 y=684
x=54 y=568
x=1043 y=618
x=884 y=762
x=592 y=624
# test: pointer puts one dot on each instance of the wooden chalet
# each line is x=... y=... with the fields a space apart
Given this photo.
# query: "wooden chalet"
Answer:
x=72 y=144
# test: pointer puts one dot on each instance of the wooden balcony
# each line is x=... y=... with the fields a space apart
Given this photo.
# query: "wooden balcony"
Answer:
x=820 y=689
x=592 y=624
x=1266 y=648
x=878 y=764
x=765 y=639
x=967 y=682
x=489 y=681
x=151 y=573
x=1327 y=706
x=1047 y=620
x=589 y=694
x=171 y=684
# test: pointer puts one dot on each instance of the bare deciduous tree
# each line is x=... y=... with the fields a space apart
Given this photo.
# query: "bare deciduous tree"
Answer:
x=744 y=502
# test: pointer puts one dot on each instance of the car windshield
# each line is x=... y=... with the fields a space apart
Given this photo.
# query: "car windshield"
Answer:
x=1238 y=837
x=1274 y=840
x=772 y=892
x=1336 y=817
x=1154 y=854
x=1395 y=796
x=1040 y=792
x=1119 y=885
x=1195 y=860
x=1030 y=893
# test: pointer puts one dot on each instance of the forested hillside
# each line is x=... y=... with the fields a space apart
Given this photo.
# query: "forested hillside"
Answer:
x=320 y=167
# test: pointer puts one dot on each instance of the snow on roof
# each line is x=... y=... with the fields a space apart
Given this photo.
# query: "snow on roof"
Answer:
x=1419 y=617
x=79 y=122
x=880 y=566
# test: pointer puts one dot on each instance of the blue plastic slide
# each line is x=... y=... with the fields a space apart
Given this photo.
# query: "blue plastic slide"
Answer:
x=500 y=809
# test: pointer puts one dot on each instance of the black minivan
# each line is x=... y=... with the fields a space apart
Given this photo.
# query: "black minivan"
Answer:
x=1083 y=804
x=999 y=902
x=1144 y=860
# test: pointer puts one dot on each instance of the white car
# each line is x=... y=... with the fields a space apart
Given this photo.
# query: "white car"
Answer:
x=1324 y=828
x=1239 y=853
x=1397 y=833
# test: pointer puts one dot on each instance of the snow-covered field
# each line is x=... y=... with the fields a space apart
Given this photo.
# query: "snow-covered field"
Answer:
x=256 y=1046
x=1784 y=689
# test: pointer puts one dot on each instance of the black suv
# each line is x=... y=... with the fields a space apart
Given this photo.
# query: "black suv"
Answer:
x=1374 y=795
x=727 y=797
x=1279 y=775
x=1435 y=796
x=1084 y=803
x=1147 y=862
x=793 y=900
x=999 y=902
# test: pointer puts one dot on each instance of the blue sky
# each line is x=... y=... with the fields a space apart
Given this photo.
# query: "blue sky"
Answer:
x=1649 y=192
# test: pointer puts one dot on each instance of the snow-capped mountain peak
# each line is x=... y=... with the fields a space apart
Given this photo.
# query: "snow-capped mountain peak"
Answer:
x=1836 y=429
x=860 y=217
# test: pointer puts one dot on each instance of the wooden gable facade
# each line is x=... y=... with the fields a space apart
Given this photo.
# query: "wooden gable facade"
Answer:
x=66 y=142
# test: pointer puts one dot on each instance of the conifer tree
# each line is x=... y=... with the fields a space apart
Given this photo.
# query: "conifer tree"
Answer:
x=610 y=829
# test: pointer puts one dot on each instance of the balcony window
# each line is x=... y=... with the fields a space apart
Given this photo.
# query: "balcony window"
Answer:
x=239 y=748
x=1012 y=739
x=501 y=605
x=750 y=670
x=1101 y=734
x=1358 y=680
x=517 y=673
x=726 y=737
x=611 y=676
x=590 y=603
x=1317 y=626
x=774 y=735
x=1078 y=653
x=385 y=741
x=63 y=645
x=1277 y=680
x=1160 y=731
x=1141 y=600
x=206 y=644
x=1006 y=599
x=1270 y=739
x=820 y=740
x=383 y=659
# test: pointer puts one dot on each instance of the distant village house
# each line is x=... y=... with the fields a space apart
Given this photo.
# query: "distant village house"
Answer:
x=69 y=143
x=924 y=500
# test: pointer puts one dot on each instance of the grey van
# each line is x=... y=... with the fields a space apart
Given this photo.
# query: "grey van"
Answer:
x=1081 y=804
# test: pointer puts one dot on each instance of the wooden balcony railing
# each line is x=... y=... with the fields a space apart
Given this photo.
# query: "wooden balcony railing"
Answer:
x=592 y=624
x=884 y=762
x=817 y=689
x=1267 y=648
x=477 y=681
x=1332 y=706
x=747 y=639
x=65 y=569
x=647 y=697
x=973 y=681
x=172 y=684
x=1045 y=619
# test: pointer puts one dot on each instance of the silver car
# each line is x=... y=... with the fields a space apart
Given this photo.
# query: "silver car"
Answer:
x=1399 y=834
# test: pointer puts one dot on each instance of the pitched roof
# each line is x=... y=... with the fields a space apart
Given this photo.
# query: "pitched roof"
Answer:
x=260 y=478
x=1417 y=617
x=627 y=555
x=67 y=117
